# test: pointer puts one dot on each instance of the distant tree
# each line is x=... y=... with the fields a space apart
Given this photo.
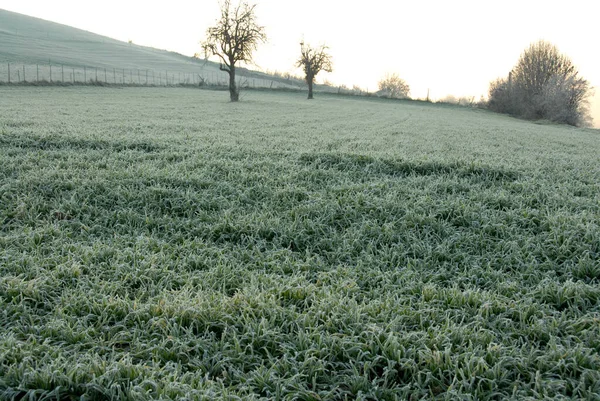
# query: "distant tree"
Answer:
x=459 y=101
x=393 y=86
x=543 y=85
x=313 y=60
x=233 y=39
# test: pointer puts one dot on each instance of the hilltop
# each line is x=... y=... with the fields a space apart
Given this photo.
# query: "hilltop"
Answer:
x=30 y=41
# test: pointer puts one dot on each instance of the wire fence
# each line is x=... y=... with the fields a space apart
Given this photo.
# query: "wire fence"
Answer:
x=15 y=73
x=59 y=74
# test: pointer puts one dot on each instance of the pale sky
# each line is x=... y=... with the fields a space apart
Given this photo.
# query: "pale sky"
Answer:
x=449 y=47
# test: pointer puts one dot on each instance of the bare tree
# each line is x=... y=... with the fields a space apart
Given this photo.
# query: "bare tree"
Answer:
x=313 y=60
x=539 y=64
x=544 y=84
x=233 y=39
x=393 y=86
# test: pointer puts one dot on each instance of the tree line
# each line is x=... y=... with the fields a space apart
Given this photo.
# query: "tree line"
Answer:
x=544 y=84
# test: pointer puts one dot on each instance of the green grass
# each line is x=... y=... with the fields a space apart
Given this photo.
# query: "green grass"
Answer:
x=167 y=244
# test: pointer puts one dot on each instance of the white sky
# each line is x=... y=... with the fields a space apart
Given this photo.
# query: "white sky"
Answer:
x=447 y=46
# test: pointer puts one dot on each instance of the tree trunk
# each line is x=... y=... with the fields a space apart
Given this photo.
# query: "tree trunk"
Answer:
x=233 y=92
x=310 y=88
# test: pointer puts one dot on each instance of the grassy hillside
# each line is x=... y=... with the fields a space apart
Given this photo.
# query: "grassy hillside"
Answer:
x=168 y=244
x=31 y=41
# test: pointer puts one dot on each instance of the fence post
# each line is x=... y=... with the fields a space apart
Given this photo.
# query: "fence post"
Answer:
x=62 y=71
x=50 y=72
x=105 y=81
x=123 y=76
x=8 y=72
x=146 y=77
x=139 y=80
x=167 y=78
x=84 y=75
x=73 y=76
x=115 y=75
x=37 y=70
x=96 y=74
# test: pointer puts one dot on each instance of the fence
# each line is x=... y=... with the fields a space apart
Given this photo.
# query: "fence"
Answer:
x=59 y=74
x=14 y=73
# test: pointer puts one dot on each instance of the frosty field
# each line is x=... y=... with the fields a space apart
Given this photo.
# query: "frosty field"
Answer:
x=168 y=244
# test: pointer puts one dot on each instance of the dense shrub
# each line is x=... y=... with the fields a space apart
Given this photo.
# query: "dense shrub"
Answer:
x=543 y=85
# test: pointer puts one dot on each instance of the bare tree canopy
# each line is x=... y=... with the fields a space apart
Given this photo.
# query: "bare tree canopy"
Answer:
x=393 y=86
x=313 y=60
x=543 y=85
x=538 y=65
x=233 y=39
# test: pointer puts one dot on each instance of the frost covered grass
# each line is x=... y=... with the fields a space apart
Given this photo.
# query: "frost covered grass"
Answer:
x=167 y=244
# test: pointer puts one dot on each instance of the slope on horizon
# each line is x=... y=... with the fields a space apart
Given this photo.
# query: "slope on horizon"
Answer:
x=30 y=40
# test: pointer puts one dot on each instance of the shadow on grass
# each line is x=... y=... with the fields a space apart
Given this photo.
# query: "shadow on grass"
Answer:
x=49 y=143
x=353 y=163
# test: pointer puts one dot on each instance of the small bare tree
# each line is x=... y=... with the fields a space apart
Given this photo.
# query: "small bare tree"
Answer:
x=233 y=39
x=393 y=86
x=313 y=60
